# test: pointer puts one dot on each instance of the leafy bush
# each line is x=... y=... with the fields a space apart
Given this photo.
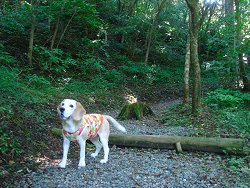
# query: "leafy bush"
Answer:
x=53 y=61
x=218 y=74
x=215 y=67
x=5 y=57
x=9 y=146
x=92 y=66
x=238 y=119
x=140 y=71
x=226 y=98
x=114 y=76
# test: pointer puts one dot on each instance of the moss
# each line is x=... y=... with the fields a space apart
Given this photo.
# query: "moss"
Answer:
x=135 y=111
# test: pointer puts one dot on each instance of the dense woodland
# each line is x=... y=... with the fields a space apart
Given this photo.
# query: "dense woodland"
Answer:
x=102 y=51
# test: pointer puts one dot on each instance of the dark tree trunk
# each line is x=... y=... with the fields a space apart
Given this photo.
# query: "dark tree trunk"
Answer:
x=194 y=15
x=229 y=7
x=32 y=35
x=186 y=73
x=55 y=34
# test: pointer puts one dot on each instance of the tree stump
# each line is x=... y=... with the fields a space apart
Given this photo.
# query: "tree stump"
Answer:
x=136 y=111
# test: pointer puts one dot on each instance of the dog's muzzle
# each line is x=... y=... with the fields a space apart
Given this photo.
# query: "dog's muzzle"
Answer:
x=62 y=109
x=61 y=115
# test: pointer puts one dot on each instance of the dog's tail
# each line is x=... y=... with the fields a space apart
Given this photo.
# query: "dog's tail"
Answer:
x=115 y=123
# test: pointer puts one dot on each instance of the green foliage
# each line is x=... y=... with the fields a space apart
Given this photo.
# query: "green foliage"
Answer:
x=177 y=115
x=9 y=145
x=224 y=98
x=238 y=164
x=92 y=66
x=237 y=119
x=219 y=74
x=53 y=62
x=225 y=112
x=5 y=57
x=140 y=71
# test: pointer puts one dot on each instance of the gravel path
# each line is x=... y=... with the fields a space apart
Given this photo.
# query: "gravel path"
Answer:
x=131 y=167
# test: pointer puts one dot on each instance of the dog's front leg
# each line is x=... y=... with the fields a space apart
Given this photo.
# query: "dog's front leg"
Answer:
x=82 y=144
x=66 y=144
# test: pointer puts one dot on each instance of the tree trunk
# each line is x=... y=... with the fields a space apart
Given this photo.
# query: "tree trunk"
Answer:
x=32 y=34
x=193 y=29
x=149 y=38
x=216 y=145
x=229 y=7
x=132 y=7
x=55 y=33
x=150 y=33
x=118 y=7
x=242 y=67
x=56 y=27
x=186 y=73
x=65 y=29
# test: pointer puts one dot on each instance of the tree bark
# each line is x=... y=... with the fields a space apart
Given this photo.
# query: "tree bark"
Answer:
x=32 y=34
x=55 y=33
x=186 y=73
x=229 y=7
x=215 y=145
x=56 y=28
x=193 y=29
x=65 y=29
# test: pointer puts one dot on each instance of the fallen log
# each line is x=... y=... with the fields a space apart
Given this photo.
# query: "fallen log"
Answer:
x=215 y=145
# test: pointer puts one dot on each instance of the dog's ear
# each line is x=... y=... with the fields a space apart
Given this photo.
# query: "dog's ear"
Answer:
x=78 y=112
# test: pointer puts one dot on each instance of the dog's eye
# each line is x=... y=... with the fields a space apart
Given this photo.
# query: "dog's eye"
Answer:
x=62 y=104
x=71 y=106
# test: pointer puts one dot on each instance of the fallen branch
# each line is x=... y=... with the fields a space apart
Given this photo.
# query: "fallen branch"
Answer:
x=215 y=145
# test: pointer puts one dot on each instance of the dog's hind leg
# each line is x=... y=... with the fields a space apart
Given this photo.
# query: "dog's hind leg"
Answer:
x=98 y=146
x=104 y=141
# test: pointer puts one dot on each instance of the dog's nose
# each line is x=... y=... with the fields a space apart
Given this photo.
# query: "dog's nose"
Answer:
x=62 y=109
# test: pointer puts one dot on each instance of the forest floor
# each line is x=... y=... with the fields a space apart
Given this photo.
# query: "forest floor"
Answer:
x=133 y=167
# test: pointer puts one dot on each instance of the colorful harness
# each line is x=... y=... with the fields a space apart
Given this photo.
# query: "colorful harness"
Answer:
x=93 y=121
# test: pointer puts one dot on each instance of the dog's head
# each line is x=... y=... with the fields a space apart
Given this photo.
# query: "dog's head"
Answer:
x=70 y=108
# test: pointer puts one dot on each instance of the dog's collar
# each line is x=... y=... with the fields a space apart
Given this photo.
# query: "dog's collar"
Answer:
x=73 y=136
x=93 y=121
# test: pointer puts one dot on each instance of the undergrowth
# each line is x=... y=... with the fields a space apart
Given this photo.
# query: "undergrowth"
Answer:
x=224 y=113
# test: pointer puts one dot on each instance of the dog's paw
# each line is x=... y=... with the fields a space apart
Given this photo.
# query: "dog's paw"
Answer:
x=81 y=164
x=93 y=155
x=103 y=161
x=62 y=164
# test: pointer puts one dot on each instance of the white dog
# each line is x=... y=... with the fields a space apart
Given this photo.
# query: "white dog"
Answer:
x=79 y=126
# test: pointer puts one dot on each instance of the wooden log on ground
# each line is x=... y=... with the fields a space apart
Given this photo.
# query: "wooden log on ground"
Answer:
x=215 y=145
